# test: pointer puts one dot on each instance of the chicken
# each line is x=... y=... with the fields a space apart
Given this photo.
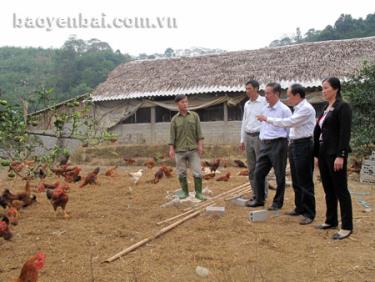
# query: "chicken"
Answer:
x=24 y=197
x=214 y=165
x=111 y=171
x=73 y=175
x=31 y=268
x=355 y=166
x=61 y=170
x=58 y=198
x=41 y=171
x=4 y=228
x=91 y=178
x=224 y=178
x=243 y=172
x=149 y=163
x=16 y=166
x=208 y=176
x=158 y=175
x=240 y=163
x=64 y=159
x=3 y=202
x=136 y=175
x=13 y=215
x=129 y=161
x=167 y=171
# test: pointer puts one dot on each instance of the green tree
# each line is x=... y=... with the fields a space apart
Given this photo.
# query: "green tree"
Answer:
x=360 y=91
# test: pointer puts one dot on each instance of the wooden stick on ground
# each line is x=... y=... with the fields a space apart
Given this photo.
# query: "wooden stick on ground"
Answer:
x=146 y=240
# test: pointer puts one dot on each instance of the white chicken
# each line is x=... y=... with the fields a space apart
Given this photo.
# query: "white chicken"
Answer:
x=136 y=175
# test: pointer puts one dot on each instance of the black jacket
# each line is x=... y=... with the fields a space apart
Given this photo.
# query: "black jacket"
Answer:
x=335 y=131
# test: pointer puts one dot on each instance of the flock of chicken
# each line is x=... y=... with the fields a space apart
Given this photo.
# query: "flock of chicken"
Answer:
x=57 y=193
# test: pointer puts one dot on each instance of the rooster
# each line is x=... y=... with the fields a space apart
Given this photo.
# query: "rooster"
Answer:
x=240 y=163
x=91 y=178
x=58 y=198
x=136 y=175
x=150 y=163
x=31 y=268
x=111 y=171
x=243 y=172
x=224 y=178
x=73 y=175
x=24 y=197
x=214 y=165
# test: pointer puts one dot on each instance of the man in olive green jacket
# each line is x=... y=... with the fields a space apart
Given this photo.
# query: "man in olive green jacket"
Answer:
x=186 y=146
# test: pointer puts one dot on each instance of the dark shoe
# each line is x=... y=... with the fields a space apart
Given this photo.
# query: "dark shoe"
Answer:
x=293 y=213
x=338 y=236
x=305 y=221
x=325 y=226
x=273 y=208
x=254 y=204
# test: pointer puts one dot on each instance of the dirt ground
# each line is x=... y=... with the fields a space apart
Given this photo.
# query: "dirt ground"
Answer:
x=116 y=214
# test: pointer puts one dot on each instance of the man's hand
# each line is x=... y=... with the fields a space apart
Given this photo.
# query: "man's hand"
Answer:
x=316 y=162
x=338 y=164
x=171 y=153
x=242 y=146
x=261 y=118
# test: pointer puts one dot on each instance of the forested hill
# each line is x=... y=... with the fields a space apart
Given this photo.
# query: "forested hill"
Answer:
x=76 y=68
x=345 y=27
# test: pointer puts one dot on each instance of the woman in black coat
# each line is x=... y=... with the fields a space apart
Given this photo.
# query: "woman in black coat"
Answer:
x=331 y=148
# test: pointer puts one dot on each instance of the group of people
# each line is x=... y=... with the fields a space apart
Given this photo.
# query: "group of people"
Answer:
x=271 y=132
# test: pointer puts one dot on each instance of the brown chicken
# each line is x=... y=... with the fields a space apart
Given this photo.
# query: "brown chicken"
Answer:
x=129 y=161
x=16 y=166
x=13 y=215
x=58 y=198
x=214 y=165
x=90 y=178
x=111 y=171
x=31 y=268
x=224 y=178
x=208 y=176
x=24 y=197
x=61 y=170
x=73 y=175
x=157 y=176
x=240 y=163
x=167 y=171
x=149 y=163
x=4 y=228
x=244 y=172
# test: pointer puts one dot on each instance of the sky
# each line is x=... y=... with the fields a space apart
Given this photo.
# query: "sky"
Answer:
x=228 y=25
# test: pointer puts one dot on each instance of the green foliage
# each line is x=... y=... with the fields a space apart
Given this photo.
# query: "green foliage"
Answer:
x=75 y=69
x=345 y=27
x=360 y=91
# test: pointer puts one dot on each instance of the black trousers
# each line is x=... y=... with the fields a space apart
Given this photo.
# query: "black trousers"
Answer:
x=272 y=154
x=301 y=159
x=335 y=184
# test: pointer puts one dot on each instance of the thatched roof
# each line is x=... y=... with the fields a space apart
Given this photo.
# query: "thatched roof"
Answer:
x=307 y=63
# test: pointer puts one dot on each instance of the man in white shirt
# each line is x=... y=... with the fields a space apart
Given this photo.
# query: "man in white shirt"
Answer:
x=273 y=149
x=250 y=128
x=301 y=158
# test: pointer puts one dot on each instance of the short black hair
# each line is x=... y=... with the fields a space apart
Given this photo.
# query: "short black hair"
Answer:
x=253 y=83
x=179 y=97
x=298 y=89
x=335 y=84
x=276 y=87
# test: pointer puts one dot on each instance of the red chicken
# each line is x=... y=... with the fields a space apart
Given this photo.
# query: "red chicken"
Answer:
x=167 y=171
x=214 y=165
x=111 y=171
x=31 y=268
x=208 y=176
x=150 y=163
x=224 y=178
x=12 y=214
x=129 y=161
x=240 y=163
x=58 y=198
x=244 y=172
x=73 y=175
x=158 y=175
x=90 y=178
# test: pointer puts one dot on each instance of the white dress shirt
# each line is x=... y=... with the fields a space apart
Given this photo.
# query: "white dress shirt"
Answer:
x=249 y=122
x=269 y=131
x=301 y=123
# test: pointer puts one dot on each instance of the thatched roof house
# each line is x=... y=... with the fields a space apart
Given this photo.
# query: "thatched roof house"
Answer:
x=307 y=63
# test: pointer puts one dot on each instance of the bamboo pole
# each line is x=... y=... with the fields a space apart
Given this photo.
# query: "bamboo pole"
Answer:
x=148 y=239
x=202 y=205
x=236 y=195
